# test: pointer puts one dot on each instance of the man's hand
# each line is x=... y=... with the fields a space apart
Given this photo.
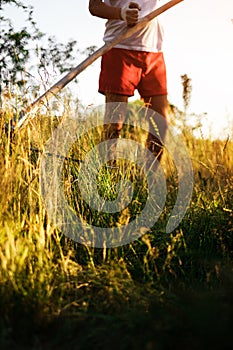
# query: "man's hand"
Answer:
x=129 y=14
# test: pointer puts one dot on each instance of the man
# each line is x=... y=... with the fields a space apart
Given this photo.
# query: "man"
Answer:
x=137 y=63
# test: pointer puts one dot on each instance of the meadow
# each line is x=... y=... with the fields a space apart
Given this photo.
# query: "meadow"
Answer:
x=162 y=291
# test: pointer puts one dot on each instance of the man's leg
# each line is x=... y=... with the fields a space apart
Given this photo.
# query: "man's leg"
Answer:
x=114 y=118
x=160 y=105
x=114 y=114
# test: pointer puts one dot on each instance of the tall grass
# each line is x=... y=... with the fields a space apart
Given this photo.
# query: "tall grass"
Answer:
x=163 y=291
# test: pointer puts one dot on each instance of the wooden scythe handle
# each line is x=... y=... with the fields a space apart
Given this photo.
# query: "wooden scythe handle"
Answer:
x=89 y=60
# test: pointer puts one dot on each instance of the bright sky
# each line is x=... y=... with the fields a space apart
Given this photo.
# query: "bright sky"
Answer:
x=198 y=42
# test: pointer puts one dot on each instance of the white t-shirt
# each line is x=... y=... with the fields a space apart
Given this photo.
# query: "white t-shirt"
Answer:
x=147 y=39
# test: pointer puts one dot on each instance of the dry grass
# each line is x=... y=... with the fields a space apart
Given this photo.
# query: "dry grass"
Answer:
x=160 y=290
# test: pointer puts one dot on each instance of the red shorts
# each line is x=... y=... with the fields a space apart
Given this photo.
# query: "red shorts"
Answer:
x=123 y=71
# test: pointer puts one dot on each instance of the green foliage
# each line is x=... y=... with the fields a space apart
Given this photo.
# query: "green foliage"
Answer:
x=24 y=58
x=14 y=46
